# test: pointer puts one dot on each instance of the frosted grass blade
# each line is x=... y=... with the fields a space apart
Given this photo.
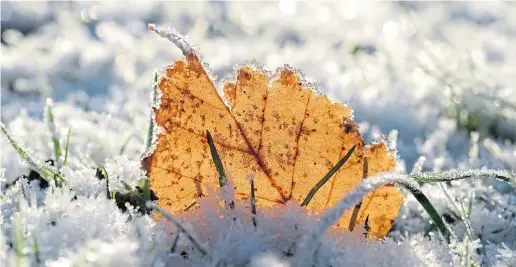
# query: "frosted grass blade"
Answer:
x=327 y=177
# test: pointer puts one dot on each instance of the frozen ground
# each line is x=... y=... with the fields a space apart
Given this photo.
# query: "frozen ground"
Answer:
x=437 y=79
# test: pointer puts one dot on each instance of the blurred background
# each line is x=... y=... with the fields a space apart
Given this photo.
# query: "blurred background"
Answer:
x=428 y=76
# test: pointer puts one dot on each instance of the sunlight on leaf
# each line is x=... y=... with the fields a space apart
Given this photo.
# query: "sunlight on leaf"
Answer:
x=275 y=128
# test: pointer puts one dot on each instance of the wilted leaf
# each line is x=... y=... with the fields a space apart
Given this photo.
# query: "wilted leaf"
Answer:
x=284 y=134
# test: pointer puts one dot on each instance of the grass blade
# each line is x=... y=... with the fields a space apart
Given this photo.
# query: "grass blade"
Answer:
x=36 y=249
x=223 y=180
x=469 y=233
x=146 y=196
x=454 y=208
x=452 y=175
x=325 y=179
x=19 y=240
x=150 y=131
x=174 y=245
x=431 y=211
x=470 y=204
x=195 y=242
x=124 y=144
x=45 y=172
x=418 y=166
x=66 y=146
x=52 y=128
x=105 y=173
x=253 y=203
x=356 y=209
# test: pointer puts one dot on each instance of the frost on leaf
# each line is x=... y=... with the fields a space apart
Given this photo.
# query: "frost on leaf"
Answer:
x=284 y=134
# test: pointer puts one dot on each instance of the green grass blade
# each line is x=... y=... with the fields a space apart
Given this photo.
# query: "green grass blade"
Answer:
x=174 y=244
x=150 y=131
x=253 y=203
x=57 y=149
x=106 y=176
x=223 y=180
x=45 y=172
x=466 y=220
x=325 y=179
x=454 y=208
x=19 y=240
x=470 y=204
x=354 y=216
x=197 y=244
x=356 y=209
x=452 y=175
x=66 y=146
x=431 y=211
x=124 y=144
x=146 y=195
x=146 y=191
x=52 y=128
x=469 y=233
x=36 y=249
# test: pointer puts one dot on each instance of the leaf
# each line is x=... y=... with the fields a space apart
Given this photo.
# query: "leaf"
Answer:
x=272 y=127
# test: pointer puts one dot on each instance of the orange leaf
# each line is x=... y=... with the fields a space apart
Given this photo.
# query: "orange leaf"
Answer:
x=274 y=128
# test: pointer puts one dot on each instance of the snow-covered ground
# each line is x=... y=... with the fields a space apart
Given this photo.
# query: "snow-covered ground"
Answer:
x=438 y=80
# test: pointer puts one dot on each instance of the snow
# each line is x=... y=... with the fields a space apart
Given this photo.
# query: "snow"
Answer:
x=435 y=80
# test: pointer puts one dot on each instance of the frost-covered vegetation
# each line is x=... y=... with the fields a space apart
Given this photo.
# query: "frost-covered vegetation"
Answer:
x=438 y=79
